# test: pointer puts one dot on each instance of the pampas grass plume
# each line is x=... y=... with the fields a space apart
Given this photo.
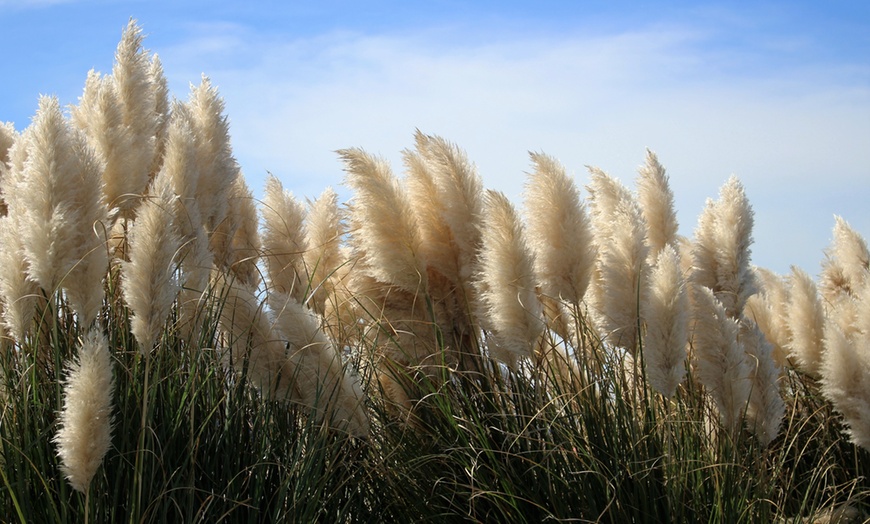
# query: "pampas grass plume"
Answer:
x=845 y=370
x=84 y=435
x=559 y=231
x=656 y=200
x=510 y=306
x=722 y=248
x=323 y=228
x=383 y=225
x=622 y=265
x=719 y=359
x=666 y=315
x=284 y=240
x=847 y=263
x=805 y=315
x=149 y=286
x=766 y=409
x=316 y=369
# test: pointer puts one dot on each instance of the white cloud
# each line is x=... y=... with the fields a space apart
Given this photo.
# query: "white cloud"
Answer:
x=587 y=100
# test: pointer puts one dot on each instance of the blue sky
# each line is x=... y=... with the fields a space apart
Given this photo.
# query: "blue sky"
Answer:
x=777 y=93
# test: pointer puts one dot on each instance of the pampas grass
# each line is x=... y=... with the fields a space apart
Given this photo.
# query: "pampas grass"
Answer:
x=666 y=315
x=510 y=307
x=284 y=241
x=805 y=316
x=384 y=232
x=140 y=118
x=622 y=268
x=845 y=371
x=722 y=248
x=372 y=395
x=56 y=204
x=17 y=291
x=323 y=228
x=768 y=309
x=149 y=284
x=765 y=408
x=217 y=168
x=317 y=370
x=84 y=436
x=719 y=359
x=656 y=201
x=559 y=232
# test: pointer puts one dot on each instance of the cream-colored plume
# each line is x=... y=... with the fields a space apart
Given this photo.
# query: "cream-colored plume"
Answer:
x=559 y=231
x=323 y=259
x=846 y=265
x=284 y=241
x=619 y=285
x=765 y=410
x=805 y=315
x=315 y=367
x=845 y=379
x=719 y=358
x=383 y=227
x=85 y=433
x=17 y=291
x=722 y=248
x=56 y=205
x=510 y=307
x=656 y=200
x=149 y=283
x=666 y=316
x=768 y=309
x=216 y=166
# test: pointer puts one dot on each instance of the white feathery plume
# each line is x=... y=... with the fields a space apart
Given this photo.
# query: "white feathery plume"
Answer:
x=149 y=285
x=216 y=166
x=85 y=433
x=254 y=345
x=510 y=307
x=846 y=265
x=323 y=229
x=84 y=282
x=765 y=409
x=180 y=170
x=436 y=238
x=57 y=205
x=768 y=309
x=845 y=380
x=559 y=231
x=245 y=243
x=221 y=239
x=17 y=291
x=622 y=268
x=161 y=110
x=8 y=136
x=805 y=316
x=100 y=115
x=284 y=241
x=460 y=191
x=719 y=359
x=666 y=315
x=315 y=367
x=722 y=248
x=656 y=200
x=382 y=223
x=133 y=81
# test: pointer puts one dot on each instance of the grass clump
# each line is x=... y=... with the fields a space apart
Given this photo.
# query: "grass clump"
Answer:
x=426 y=353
